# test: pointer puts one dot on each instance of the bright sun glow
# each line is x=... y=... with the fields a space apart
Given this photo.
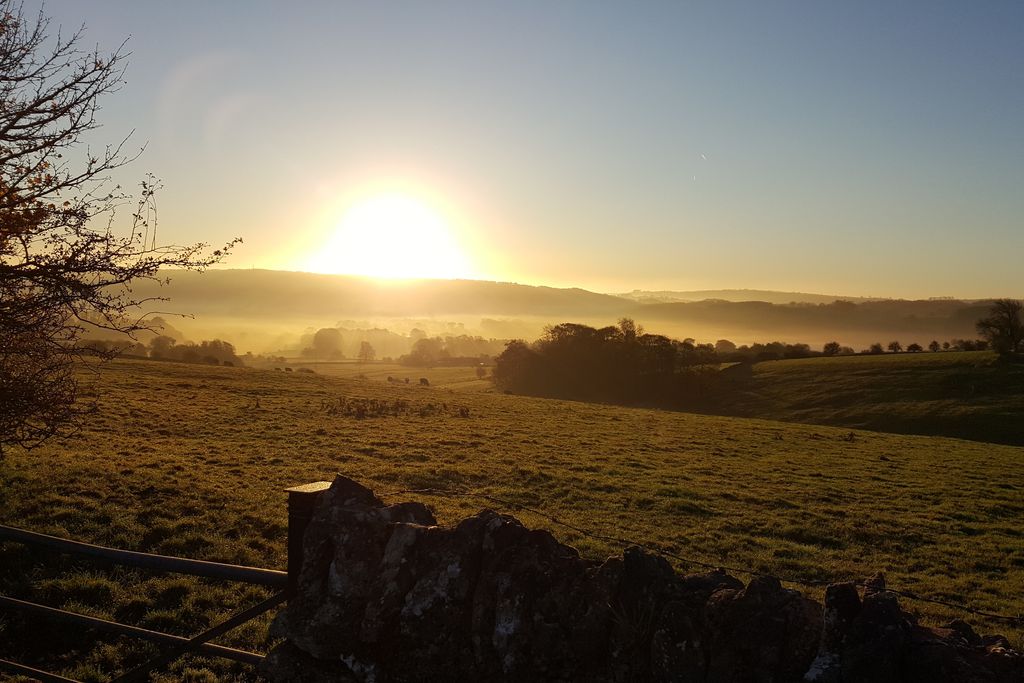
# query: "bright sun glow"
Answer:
x=392 y=236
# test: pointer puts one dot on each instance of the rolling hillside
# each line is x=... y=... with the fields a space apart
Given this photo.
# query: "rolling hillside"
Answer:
x=276 y=293
x=969 y=395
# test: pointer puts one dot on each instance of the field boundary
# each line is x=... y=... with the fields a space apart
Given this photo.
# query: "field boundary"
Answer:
x=873 y=583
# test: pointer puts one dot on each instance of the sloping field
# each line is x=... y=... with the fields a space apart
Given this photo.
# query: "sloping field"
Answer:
x=192 y=461
x=968 y=395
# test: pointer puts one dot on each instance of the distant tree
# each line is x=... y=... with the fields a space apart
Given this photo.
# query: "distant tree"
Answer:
x=724 y=346
x=797 y=351
x=946 y=346
x=934 y=346
x=832 y=348
x=969 y=344
x=427 y=351
x=327 y=343
x=160 y=346
x=914 y=348
x=876 y=349
x=1003 y=328
x=629 y=329
x=895 y=347
x=366 y=352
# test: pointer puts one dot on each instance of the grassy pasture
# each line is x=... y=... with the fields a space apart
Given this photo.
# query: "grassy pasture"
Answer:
x=969 y=395
x=180 y=460
x=457 y=378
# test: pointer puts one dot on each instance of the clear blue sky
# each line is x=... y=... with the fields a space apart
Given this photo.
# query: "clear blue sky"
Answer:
x=871 y=148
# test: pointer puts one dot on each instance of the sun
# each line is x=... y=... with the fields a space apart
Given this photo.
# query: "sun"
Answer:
x=392 y=235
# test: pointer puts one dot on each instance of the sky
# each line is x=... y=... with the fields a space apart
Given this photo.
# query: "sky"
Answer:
x=868 y=148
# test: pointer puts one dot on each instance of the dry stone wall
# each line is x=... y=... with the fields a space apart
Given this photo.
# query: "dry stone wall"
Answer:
x=385 y=594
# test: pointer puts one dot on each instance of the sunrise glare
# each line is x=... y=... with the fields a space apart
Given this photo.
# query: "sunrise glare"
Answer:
x=391 y=235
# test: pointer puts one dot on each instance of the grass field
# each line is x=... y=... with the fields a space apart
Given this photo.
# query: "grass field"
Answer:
x=968 y=395
x=192 y=461
x=458 y=378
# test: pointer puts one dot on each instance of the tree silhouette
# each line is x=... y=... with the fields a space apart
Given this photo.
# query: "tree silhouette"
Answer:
x=1002 y=327
x=895 y=347
x=366 y=352
x=934 y=346
x=832 y=348
x=327 y=343
x=65 y=262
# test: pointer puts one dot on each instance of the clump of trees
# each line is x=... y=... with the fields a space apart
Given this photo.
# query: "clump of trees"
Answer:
x=933 y=346
x=460 y=349
x=620 y=364
x=325 y=345
x=1003 y=328
x=65 y=262
x=758 y=352
x=162 y=347
x=214 y=352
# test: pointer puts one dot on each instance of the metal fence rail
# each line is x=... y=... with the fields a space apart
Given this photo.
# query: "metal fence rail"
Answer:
x=242 y=656
x=178 y=565
x=36 y=674
x=171 y=646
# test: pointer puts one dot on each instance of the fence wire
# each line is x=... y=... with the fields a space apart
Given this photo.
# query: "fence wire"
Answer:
x=694 y=562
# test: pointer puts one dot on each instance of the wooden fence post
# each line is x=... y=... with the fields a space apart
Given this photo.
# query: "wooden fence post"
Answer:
x=301 y=500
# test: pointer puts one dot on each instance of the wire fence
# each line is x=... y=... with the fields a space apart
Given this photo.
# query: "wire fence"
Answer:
x=694 y=562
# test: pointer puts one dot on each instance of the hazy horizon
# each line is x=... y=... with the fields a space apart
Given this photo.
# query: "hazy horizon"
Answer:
x=397 y=281
x=266 y=310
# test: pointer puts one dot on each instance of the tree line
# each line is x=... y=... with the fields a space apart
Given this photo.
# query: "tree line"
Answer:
x=162 y=347
x=624 y=364
x=620 y=364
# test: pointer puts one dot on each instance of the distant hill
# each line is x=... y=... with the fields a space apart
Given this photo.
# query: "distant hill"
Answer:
x=242 y=305
x=854 y=323
x=768 y=296
x=258 y=293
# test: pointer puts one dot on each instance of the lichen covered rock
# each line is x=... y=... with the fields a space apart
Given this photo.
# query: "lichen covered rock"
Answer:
x=384 y=594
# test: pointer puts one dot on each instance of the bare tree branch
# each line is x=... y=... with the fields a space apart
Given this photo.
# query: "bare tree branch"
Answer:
x=58 y=271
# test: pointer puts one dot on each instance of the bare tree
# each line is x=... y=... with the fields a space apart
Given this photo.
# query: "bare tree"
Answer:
x=64 y=262
x=1002 y=327
x=366 y=352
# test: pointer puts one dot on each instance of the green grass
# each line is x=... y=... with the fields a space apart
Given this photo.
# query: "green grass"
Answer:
x=968 y=395
x=179 y=460
x=459 y=378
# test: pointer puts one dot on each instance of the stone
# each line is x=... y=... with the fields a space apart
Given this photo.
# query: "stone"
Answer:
x=385 y=594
